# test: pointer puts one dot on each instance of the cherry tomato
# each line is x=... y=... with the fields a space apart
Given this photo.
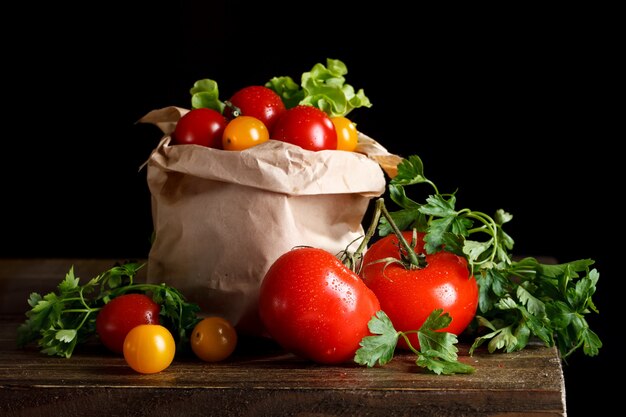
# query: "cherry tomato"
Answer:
x=213 y=339
x=315 y=307
x=307 y=127
x=121 y=314
x=201 y=126
x=347 y=135
x=256 y=101
x=149 y=348
x=244 y=132
x=408 y=296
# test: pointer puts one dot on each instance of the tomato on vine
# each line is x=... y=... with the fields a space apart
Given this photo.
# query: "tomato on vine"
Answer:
x=409 y=295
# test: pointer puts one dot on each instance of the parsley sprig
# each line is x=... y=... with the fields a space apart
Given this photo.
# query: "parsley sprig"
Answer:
x=63 y=319
x=437 y=353
x=518 y=300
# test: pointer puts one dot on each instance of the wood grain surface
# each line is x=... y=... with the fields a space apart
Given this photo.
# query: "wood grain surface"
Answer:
x=259 y=379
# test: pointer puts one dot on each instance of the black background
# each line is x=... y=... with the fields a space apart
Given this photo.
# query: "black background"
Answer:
x=512 y=108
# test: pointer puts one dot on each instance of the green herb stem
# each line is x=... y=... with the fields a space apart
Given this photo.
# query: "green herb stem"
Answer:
x=81 y=310
x=405 y=336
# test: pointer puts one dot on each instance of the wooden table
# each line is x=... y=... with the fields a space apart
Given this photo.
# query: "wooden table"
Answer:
x=258 y=380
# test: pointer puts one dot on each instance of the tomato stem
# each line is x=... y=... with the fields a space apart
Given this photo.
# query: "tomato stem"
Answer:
x=414 y=261
x=235 y=111
x=354 y=260
x=349 y=259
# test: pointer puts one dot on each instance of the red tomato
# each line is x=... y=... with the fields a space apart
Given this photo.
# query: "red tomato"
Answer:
x=307 y=127
x=409 y=296
x=121 y=315
x=257 y=101
x=315 y=307
x=201 y=126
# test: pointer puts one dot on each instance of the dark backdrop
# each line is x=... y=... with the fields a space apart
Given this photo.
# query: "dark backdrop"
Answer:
x=508 y=107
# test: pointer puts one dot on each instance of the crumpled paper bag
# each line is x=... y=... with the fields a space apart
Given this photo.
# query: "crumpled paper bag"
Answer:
x=221 y=218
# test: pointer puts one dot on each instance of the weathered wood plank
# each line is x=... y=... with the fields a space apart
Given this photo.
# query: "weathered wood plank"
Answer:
x=259 y=379
x=267 y=381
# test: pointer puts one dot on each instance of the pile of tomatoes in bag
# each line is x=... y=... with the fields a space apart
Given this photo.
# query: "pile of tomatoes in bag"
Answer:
x=311 y=115
x=255 y=114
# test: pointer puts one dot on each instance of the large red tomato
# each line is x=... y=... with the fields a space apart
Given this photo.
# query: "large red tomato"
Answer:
x=408 y=296
x=256 y=101
x=121 y=315
x=315 y=307
x=201 y=126
x=307 y=127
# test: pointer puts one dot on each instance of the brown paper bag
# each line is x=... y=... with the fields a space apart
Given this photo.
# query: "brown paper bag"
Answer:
x=221 y=218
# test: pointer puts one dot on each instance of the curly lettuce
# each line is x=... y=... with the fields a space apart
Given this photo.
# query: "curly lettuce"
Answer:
x=323 y=87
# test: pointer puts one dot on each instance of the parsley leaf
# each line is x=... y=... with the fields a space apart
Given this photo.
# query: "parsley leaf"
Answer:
x=378 y=349
x=61 y=320
x=549 y=302
x=438 y=352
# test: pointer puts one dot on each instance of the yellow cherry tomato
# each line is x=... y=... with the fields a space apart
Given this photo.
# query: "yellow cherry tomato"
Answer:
x=347 y=135
x=244 y=132
x=213 y=339
x=149 y=348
